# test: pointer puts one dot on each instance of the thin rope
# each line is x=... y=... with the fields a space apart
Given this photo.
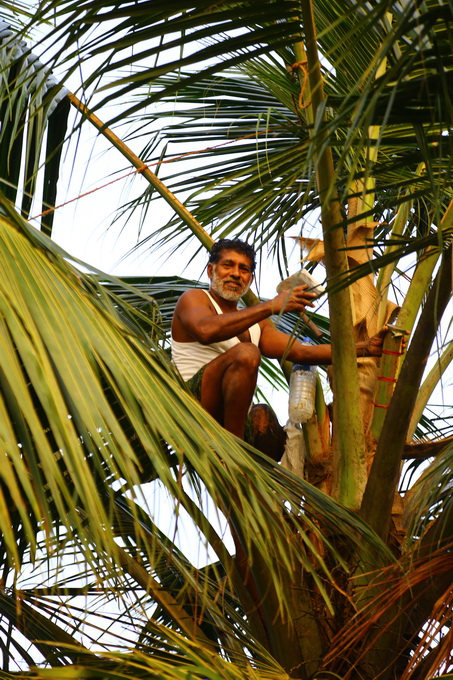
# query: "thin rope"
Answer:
x=141 y=169
x=302 y=65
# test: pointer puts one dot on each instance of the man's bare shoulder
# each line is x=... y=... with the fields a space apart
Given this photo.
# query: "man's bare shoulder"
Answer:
x=195 y=297
x=193 y=306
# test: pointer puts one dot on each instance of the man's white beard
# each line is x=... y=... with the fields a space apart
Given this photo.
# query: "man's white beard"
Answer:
x=218 y=286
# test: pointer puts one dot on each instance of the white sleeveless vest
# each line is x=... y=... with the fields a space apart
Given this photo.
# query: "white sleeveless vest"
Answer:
x=189 y=357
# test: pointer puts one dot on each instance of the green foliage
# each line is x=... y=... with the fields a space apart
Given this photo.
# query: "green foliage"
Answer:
x=100 y=437
x=34 y=113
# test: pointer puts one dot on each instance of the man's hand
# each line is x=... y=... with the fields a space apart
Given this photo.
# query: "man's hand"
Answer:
x=373 y=346
x=295 y=299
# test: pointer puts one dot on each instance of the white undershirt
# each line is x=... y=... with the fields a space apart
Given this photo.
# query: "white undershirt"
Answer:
x=189 y=357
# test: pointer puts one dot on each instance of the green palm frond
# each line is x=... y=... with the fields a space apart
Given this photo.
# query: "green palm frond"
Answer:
x=431 y=497
x=90 y=403
x=166 y=29
x=97 y=428
x=256 y=176
x=33 y=107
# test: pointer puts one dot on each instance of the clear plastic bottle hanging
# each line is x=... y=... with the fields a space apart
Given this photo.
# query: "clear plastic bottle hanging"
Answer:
x=302 y=390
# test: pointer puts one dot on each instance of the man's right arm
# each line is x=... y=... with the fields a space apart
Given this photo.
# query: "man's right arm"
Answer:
x=196 y=320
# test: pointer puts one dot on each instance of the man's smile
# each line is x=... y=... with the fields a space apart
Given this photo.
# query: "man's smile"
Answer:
x=229 y=289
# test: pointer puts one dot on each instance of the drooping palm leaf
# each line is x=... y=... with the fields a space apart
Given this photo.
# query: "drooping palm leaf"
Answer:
x=77 y=382
x=131 y=420
x=32 y=106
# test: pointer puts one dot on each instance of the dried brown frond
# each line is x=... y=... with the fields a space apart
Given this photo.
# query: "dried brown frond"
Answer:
x=394 y=602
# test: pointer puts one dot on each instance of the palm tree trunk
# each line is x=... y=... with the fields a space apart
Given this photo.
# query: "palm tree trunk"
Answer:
x=349 y=447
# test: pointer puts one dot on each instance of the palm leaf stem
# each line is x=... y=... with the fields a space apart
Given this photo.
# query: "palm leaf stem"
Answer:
x=422 y=450
x=417 y=289
x=54 y=643
x=393 y=358
x=429 y=384
x=350 y=477
x=385 y=274
x=382 y=481
x=155 y=182
x=229 y=564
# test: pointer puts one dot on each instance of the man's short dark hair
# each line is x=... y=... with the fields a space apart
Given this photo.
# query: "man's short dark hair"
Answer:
x=233 y=244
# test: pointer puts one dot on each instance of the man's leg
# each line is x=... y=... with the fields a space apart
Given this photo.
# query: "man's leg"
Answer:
x=228 y=385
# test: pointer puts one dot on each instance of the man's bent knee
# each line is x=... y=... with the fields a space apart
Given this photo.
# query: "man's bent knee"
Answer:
x=239 y=362
x=246 y=354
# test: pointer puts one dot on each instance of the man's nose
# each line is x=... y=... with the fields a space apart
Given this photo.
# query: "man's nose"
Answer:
x=236 y=273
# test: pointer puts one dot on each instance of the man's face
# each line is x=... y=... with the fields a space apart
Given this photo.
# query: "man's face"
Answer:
x=231 y=276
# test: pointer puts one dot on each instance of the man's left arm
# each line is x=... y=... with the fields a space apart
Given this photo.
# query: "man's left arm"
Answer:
x=277 y=345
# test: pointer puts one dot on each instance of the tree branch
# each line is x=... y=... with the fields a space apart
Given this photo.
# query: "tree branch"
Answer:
x=382 y=482
x=424 y=450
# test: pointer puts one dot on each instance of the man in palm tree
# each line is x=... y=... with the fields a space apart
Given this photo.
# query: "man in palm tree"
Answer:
x=217 y=347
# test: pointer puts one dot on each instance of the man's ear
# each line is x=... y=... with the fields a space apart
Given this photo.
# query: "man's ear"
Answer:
x=209 y=270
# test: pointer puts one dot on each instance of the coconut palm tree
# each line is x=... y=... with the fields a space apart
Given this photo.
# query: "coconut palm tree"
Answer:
x=341 y=108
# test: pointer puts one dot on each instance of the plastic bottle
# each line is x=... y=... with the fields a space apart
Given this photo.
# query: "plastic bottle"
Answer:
x=302 y=389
